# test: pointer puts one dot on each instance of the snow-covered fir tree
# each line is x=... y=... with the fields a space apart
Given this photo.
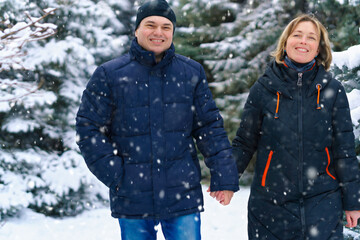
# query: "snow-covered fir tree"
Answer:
x=234 y=46
x=40 y=165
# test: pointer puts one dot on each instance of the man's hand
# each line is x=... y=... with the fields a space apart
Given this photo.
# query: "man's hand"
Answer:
x=224 y=197
x=352 y=218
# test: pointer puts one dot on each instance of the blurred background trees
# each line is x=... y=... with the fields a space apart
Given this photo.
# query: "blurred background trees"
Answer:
x=40 y=165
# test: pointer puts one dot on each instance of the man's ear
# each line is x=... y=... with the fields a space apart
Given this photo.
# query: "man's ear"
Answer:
x=136 y=33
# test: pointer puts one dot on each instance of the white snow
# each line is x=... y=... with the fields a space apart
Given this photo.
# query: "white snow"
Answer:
x=351 y=2
x=354 y=103
x=217 y=222
x=349 y=58
x=62 y=178
x=20 y=125
x=59 y=52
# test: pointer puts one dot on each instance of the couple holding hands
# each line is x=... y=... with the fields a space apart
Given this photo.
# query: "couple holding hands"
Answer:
x=142 y=113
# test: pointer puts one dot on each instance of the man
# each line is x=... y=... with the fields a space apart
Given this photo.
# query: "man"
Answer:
x=136 y=126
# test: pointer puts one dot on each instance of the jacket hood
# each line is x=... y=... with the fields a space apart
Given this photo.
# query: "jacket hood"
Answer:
x=279 y=78
x=147 y=58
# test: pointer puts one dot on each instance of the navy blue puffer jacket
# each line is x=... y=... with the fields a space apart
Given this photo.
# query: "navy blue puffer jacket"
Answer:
x=306 y=170
x=136 y=127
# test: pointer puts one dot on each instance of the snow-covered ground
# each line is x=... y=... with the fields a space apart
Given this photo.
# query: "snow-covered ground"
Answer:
x=218 y=222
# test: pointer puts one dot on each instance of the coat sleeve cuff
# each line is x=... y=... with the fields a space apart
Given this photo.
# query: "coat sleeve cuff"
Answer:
x=351 y=196
x=215 y=188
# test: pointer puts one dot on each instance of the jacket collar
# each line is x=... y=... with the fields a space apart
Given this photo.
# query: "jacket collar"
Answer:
x=147 y=58
x=279 y=78
x=322 y=78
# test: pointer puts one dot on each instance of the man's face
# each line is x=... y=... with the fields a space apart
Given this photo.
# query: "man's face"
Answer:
x=155 y=34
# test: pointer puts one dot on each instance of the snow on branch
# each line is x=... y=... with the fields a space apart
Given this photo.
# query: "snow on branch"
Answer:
x=13 y=39
x=25 y=89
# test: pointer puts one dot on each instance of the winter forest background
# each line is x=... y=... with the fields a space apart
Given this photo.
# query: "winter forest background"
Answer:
x=43 y=76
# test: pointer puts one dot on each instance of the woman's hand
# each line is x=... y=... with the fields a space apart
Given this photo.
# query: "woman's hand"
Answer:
x=352 y=218
x=224 y=197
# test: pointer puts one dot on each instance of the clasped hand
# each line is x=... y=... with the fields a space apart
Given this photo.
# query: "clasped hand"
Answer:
x=352 y=218
x=224 y=197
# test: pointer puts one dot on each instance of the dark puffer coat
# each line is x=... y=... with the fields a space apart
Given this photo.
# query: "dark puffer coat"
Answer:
x=306 y=170
x=136 y=125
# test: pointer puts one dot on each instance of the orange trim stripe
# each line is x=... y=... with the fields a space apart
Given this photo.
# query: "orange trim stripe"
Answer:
x=318 y=97
x=266 y=169
x=327 y=167
x=277 y=105
x=312 y=67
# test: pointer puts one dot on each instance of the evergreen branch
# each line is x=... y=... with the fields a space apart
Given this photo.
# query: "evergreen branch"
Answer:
x=15 y=37
x=28 y=25
x=42 y=80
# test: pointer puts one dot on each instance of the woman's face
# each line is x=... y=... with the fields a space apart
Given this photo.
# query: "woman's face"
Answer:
x=302 y=46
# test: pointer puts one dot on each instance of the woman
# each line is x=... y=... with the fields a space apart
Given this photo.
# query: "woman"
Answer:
x=297 y=118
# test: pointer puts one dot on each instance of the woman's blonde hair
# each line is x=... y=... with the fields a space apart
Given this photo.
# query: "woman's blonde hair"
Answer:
x=324 y=57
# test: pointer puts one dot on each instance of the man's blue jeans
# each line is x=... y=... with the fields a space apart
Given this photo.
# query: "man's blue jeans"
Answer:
x=179 y=228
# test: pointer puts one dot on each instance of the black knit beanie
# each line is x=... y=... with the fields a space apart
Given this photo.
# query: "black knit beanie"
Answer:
x=155 y=8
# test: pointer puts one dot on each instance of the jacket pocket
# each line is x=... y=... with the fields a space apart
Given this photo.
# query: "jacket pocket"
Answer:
x=263 y=180
x=329 y=161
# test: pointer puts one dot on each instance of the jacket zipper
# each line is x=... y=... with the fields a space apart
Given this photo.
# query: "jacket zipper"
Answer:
x=301 y=147
x=263 y=180
x=299 y=82
x=329 y=161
